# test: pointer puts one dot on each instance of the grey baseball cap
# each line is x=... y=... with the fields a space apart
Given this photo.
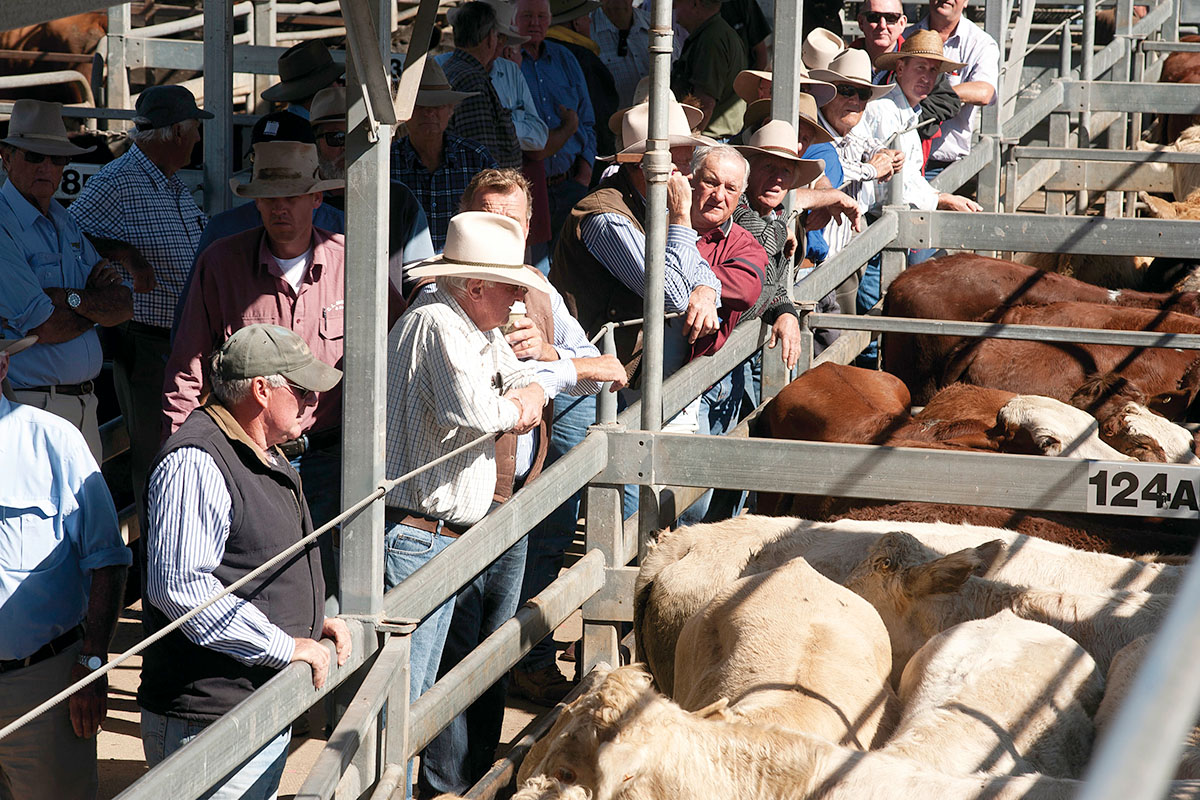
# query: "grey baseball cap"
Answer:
x=259 y=350
x=160 y=106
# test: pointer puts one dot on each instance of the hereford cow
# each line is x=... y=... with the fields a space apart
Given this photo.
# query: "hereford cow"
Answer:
x=78 y=35
x=1001 y=695
x=918 y=597
x=788 y=647
x=975 y=288
x=1054 y=429
x=1180 y=68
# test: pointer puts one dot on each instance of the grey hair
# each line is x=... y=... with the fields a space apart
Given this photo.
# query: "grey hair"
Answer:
x=472 y=23
x=163 y=134
x=233 y=391
x=701 y=155
x=453 y=284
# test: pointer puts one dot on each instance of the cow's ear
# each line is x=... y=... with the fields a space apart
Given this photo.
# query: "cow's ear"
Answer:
x=1160 y=208
x=943 y=576
x=989 y=553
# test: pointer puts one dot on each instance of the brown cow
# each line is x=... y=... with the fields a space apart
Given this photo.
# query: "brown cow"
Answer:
x=78 y=35
x=1180 y=68
x=976 y=288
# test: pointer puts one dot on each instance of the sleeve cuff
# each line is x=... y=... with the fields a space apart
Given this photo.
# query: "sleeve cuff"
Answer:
x=279 y=651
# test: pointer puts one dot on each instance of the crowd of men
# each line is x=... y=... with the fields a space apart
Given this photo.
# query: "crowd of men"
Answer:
x=516 y=232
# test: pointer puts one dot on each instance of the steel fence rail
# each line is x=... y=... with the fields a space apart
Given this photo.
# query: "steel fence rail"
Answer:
x=1121 y=156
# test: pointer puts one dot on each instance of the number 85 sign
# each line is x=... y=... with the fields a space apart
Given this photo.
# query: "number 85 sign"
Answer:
x=1154 y=490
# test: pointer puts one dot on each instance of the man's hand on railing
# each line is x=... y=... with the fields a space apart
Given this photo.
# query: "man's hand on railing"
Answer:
x=316 y=655
x=826 y=204
x=335 y=628
x=601 y=369
x=955 y=202
x=786 y=331
x=702 y=316
x=529 y=401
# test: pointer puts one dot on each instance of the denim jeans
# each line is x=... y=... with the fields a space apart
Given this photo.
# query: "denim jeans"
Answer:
x=321 y=476
x=719 y=407
x=256 y=779
x=870 y=289
x=405 y=549
x=549 y=539
x=462 y=753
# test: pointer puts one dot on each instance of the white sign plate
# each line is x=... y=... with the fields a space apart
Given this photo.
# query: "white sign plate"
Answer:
x=1143 y=489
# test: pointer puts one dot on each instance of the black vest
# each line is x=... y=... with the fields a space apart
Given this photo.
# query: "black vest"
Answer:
x=268 y=513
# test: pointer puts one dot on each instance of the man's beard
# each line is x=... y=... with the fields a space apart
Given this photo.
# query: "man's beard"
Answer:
x=330 y=171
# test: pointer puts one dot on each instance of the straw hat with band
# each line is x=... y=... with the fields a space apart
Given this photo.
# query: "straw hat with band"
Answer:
x=747 y=81
x=37 y=126
x=489 y=247
x=435 y=89
x=304 y=69
x=922 y=44
x=820 y=47
x=635 y=129
x=13 y=346
x=778 y=138
x=640 y=95
x=504 y=22
x=284 y=169
x=260 y=350
x=853 y=67
x=329 y=105
x=563 y=11
x=759 y=110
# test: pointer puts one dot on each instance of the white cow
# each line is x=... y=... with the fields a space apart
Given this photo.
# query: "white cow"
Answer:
x=1054 y=428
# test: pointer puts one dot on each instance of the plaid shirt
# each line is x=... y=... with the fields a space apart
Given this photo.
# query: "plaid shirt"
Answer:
x=482 y=117
x=440 y=191
x=445 y=381
x=131 y=200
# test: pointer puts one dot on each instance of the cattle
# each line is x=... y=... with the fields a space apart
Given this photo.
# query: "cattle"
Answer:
x=1180 y=68
x=1054 y=429
x=917 y=598
x=976 y=288
x=1143 y=435
x=78 y=34
x=791 y=648
x=1001 y=695
x=1109 y=271
x=686 y=568
x=539 y=787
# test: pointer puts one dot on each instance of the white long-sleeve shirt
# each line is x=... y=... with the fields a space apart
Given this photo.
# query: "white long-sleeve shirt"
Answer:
x=886 y=116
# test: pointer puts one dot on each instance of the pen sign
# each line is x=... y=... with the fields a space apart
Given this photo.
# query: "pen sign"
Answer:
x=1155 y=490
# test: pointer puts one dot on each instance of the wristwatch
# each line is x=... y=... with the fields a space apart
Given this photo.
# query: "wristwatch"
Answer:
x=73 y=299
x=93 y=663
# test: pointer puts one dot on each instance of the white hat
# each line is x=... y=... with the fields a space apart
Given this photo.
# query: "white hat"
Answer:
x=328 y=105
x=759 y=110
x=37 y=126
x=853 y=67
x=486 y=246
x=635 y=130
x=778 y=138
x=284 y=169
x=641 y=94
x=747 y=81
x=820 y=47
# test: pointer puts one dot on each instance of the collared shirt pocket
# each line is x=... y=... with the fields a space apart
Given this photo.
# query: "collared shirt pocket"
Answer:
x=333 y=321
x=48 y=268
x=30 y=539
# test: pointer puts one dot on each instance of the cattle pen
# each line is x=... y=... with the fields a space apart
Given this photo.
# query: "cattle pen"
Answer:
x=1081 y=97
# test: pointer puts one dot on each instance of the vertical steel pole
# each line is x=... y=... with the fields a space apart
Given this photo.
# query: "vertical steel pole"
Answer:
x=116 y=80
x=1087 y=72
x=989 y=179
x=218 y=99
x=263 y=20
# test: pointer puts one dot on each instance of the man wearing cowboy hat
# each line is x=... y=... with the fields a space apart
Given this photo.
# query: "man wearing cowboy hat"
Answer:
x=61 y=588
x=480 y=117
x=287 y=273
x=976 y=83
x=305 y=68
x=435 y=164
x=712 y=56
x=452 y=376
x=222 y=500
x=56 y=286
x=138 y=212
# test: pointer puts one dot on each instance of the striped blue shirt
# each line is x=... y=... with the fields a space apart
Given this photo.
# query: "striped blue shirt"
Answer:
x=189 y=511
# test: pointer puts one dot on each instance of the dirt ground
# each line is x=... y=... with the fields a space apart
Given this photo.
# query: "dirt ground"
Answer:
x=120 y=746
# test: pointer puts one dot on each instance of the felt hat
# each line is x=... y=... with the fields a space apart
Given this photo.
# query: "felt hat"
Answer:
x=486 y=246
x=747 y=81
x=504 y=21
x=563 y=11
x=14 y=346
x=853 y=67
x=635 y=130
x=329 y=105
x=304 y=69
x=778 y=138
x=759 y=110
x=259 y=350
x=435 y=88
x=922 y=44
x=163 y=106
x=37 y=126
x=640 y=95
x=284 y=169
x=820 y=47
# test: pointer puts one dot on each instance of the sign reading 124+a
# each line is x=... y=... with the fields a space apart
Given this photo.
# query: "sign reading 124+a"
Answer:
x=1144 y=490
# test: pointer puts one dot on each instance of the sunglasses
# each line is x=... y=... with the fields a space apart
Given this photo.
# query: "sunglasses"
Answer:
x=37 y=158
x=874 y=17
x=334 y=138
x=302 y=395
x=846 y=90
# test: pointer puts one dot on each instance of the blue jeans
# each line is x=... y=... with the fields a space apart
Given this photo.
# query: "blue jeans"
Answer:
x=462 y=753
x=321 y=476
x=870 y=289
x=719 y=407
x=405 y=550
x=256 y=779
x=549 y=539
x=539 y=256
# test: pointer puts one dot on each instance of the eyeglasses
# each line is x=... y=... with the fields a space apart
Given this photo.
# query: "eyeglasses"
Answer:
x=334 y=138
x=303 y=396
x=846 y=90
x=37 y=158
x=874 y=17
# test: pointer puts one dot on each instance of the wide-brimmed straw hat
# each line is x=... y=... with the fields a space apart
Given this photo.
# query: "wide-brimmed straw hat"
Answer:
x=563 y=11
x=778 y=138
x=37 y=126
x=641 y=94
x=759 y=110
x=284 y=169
x=304 y=69
x=486 y=246
x=504 y=22
x=329 y=105
x=922 y=44
x=635 y=129
x=853 y=67
x=435 y=89
x=820 y=47
x=14 y=346
x=747 y=82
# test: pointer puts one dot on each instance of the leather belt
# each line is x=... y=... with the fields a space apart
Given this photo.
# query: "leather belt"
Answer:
x=75 y=389
x=313 y=440
x=148 y=330
x=399 y=516
x=46 y=651
x=555 y=180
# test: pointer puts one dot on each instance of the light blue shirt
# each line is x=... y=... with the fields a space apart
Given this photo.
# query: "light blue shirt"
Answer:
x=37 y=253
x=57 y=525
x=556 y=79
x=513 y=91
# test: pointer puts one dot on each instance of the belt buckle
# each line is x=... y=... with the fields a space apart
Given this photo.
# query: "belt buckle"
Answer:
x=87 y=387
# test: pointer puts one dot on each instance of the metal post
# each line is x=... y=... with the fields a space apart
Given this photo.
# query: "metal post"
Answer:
x=117 y=75
x=263 y=24
x=1116 y=140
x=1064 y=51
x=218 y=99
x=1087 y=72
x=604 y=529
x=606 y=401
x=989 y=179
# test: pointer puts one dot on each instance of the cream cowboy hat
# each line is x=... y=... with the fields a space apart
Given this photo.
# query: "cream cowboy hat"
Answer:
x=304 y=69
x=640 y=95
x=922 y=44
x=635 y=128
x=820 y=47
x=13 y=346
x=490 y=247
x=284 y=169
x=759 y=110
x=435 y=89
x=747 y=81
x=853 y=67
x=504 y=22
x=329 y=105
x=778 y=138
x=37 y=126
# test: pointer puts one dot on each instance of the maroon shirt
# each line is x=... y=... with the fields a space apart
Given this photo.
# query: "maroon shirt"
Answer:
x=740 y=263
x=236 y=283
